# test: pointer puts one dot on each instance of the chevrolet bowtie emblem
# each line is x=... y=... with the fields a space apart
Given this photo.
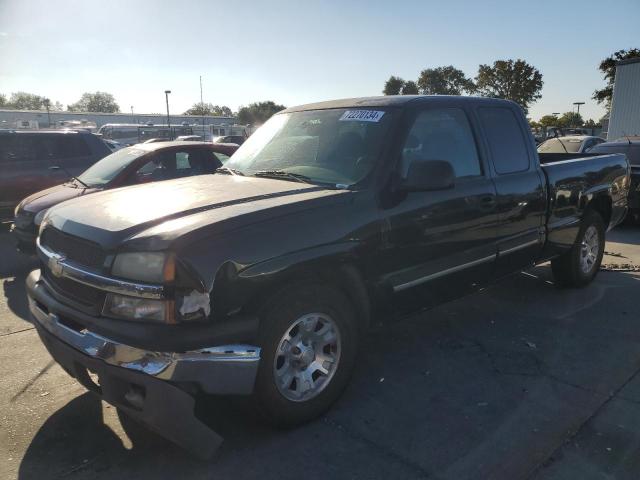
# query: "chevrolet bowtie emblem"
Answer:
x=55 y=264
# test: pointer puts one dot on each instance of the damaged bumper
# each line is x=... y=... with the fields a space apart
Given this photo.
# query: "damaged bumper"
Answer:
x=145 y=384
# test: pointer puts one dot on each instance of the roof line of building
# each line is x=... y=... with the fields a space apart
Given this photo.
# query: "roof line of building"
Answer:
x=11 y=110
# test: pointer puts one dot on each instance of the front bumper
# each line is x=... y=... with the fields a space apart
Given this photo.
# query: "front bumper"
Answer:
x=26 y=240
x=146 y=384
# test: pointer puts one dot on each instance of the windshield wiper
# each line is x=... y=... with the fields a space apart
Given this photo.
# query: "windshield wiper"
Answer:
x=296 y=177
x=229 y=171
x=80 y=182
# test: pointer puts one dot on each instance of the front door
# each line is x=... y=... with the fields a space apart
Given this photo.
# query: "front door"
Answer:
x=440 y=244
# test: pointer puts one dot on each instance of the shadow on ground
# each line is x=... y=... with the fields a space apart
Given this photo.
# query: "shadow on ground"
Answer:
x=489 y=386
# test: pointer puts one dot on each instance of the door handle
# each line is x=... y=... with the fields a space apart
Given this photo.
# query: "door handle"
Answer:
x=54 y=168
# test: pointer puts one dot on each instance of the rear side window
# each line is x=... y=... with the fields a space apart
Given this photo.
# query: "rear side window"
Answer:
x=442 y=134
x=19 y=148
x=66 y=146
x=506 y=141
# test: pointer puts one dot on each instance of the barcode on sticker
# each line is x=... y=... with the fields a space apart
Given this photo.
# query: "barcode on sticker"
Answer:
x=361 y=116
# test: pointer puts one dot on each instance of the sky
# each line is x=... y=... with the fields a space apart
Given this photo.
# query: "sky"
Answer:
x=295 y=52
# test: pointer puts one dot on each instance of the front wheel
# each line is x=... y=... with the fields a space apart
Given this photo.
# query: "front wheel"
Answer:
x=309 y=341
x=579 y=266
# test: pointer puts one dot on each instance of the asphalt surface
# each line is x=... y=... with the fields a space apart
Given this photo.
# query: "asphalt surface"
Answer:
x=521 y=381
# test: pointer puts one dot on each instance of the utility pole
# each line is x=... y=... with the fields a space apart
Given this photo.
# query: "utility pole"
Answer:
x=132 y=117
x=202 y=107
x=166 y=95
x=47 y=103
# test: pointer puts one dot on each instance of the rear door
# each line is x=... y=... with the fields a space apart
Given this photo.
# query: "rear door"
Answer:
x=25 y=167
x=70 y=152
x=440 y=244
x=520 y=188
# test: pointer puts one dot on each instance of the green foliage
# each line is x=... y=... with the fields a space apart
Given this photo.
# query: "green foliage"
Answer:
x=608 y=68
x=549 y=121
x=570 y=119
x=510 y=79
x=95 y=102
x=258 y=113
x=3 y=100
x=409 y=88
x=209 y=109
x=444 y=81
x=26 y=101
x=393 y=86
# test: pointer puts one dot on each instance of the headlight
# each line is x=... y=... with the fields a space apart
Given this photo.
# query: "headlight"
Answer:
x=39 y=216
x=133 y=308
x=153 y=267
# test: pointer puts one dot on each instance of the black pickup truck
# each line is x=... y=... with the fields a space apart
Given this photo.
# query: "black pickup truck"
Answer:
x=331 y=218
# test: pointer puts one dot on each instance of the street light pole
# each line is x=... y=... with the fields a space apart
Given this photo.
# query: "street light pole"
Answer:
x=166 y=94
x=578 y=113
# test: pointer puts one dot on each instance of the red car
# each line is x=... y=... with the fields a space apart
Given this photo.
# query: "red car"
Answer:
x=134 y=165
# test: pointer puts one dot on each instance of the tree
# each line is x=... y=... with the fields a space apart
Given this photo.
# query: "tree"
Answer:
x=608 y=67
x=393 y=86
x=3 y=100
x=258 y=113
x=570 y=119
x=26 y=101
x=549 y=121
x=591 y=123
x=409 y=88
x=209 y=109
x=95 y=102
x=510 y=79
x=444 y=81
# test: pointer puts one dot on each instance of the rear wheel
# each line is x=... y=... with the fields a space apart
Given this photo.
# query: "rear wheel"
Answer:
x=309 y=341
x=579 y=266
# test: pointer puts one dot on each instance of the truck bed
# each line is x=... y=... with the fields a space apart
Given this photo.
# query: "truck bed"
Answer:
x=573 y=180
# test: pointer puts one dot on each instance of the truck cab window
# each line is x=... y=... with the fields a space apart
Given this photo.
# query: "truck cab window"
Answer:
x=506 y=141
x=442 y=134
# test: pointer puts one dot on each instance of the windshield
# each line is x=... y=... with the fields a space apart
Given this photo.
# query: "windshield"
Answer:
x=105 y=170
x=555 y=145
x=338 y=147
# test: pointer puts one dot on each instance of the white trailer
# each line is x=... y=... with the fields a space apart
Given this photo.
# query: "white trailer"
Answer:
x=625 y=106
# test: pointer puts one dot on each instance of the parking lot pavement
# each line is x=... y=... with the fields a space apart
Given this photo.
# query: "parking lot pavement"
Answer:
x=523 y=380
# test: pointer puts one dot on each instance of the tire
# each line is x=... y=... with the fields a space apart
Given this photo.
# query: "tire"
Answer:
x=580 y=265
x=304 y=328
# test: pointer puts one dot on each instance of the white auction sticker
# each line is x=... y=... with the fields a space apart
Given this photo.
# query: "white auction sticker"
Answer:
x=361 y=116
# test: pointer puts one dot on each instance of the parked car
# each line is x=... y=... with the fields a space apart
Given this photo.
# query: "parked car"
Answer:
x=569 y=144
x=190 y=138
x=630 y=146
x=113 y=145
x=237 y=139
x=333 y=217
x=141 y=163
x=33 y=160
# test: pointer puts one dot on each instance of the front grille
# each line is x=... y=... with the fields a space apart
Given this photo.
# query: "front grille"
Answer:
x=78 y=250
x=75 y=291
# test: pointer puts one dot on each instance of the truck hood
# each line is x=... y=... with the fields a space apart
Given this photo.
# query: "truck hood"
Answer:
x=52 y=196
x=162 y=211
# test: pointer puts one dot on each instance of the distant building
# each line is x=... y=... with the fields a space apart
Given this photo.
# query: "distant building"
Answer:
x=40 y=119
x=624 y=118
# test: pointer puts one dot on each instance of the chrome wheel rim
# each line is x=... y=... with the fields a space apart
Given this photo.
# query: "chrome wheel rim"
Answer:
x=307 y=357
x=589 y=250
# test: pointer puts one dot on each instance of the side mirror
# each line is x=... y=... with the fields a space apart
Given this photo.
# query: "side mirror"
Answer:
x=425 y=175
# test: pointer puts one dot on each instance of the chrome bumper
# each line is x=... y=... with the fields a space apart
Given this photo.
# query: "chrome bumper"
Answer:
x=226 y=369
